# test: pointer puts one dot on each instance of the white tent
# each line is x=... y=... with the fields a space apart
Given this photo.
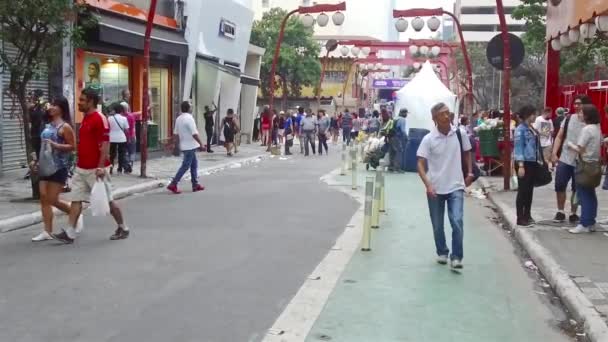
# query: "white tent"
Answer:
x=421 y=94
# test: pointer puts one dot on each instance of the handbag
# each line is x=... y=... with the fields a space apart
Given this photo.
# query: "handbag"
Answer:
x=588 y=174
x=46 y=163
x=542 y=176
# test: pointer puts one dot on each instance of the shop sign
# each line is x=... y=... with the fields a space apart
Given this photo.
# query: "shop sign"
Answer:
x=227 y=29
x=389 y=84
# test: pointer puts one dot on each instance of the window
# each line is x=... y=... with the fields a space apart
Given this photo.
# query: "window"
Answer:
x=265 y=3
x=479 y=28
x=478 y=10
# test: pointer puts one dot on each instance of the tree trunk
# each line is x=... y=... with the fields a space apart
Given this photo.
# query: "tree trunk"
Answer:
x=29 y=151
x=285 y=92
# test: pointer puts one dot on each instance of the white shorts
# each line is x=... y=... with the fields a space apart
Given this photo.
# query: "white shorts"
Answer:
x=82 y=184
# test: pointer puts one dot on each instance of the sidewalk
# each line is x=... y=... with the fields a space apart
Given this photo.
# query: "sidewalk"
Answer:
x=18 y=211
x=575 y=265
x=397 y=292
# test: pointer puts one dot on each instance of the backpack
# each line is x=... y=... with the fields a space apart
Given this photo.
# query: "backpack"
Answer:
x=465 y=169
x=566 y=124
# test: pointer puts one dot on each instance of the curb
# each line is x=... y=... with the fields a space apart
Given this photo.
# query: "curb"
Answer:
x=26 y=220
x=574 y=299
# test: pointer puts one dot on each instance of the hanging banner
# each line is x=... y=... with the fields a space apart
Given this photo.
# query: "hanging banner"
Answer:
x=389 y=84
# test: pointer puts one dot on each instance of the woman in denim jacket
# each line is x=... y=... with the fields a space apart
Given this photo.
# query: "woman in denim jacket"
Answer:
x=526 y=164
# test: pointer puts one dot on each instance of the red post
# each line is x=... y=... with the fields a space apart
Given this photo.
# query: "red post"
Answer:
x=506 y=79
x=146 y=101
x=552 y=95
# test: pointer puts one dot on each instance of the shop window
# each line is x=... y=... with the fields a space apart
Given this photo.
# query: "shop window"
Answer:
x=108 y=74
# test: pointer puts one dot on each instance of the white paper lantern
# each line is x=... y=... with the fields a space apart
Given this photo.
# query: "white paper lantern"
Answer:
x=338 y=18
x=370 y=66
x=401 y=25
x=355 y=51
x=588 y=30
x=574 y=35
x=602 y=23
x=364 y=66
x=418 y=24
x=308 y=20
x=555 y=45
x=564 y=41
x=366 y=50
x=413 y=49
x=344 y=50
x=322 y=19
x=424 y=50
x=417 y=65
x=378 y=66
x=433 y=23
x=435 y=51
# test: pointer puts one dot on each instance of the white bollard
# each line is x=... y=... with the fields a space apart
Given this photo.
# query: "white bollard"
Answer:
x=376 y=202
x=367 y=213
x=382 y=193
x=343 y=165
x=353 y=159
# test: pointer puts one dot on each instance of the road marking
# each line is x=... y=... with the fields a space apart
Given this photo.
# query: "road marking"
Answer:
x=299 y=316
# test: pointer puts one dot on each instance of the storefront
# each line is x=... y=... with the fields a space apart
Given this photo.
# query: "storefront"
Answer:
x=112 y=62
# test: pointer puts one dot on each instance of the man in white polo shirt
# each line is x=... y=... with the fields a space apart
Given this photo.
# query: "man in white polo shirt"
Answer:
x=441 y=157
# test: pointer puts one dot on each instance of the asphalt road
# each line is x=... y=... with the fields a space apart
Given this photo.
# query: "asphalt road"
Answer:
x=216 y=266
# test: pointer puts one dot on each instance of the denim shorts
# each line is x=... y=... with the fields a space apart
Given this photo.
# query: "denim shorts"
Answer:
x=564 y=173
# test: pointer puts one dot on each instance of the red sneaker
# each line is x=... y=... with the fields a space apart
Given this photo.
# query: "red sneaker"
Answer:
x=198 y=188
x=174 y=189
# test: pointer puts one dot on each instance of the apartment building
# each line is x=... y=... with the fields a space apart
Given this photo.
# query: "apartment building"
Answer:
x=479 y=19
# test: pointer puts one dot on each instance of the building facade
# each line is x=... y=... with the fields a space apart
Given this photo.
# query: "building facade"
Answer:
x=479 y=19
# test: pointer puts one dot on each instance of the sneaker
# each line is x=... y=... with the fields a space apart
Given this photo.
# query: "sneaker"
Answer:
x=524 y=223
x=559 y=217
x=44 y=236
x=580 y=230
x=120 y=234
x=456 y=264
x=573 y=218
x=63 y=237
x=603 y=222
x=173 y=188
x=210 y=151
x=532 y=221
x=80 y=224
x=198 y=188
x=442 y=260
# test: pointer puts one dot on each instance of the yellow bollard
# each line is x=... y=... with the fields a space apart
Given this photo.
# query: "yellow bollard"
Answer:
x=353 y=159
x=367 y=213
x=382 y=193
x=376 y=202
x=343 y=166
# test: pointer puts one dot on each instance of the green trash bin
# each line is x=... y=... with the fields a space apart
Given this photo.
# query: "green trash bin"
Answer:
x=153 y=136
x=488 y=142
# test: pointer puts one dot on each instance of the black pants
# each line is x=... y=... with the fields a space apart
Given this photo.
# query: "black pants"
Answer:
x=323 y=143
x=121 y=150
x=209 y=132
x=525 y=190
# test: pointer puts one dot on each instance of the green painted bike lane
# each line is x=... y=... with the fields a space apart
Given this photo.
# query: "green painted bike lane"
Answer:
x=397 y=292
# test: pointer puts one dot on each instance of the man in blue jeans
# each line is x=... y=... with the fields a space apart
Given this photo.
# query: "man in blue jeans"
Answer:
x=442 y=154
x=347 y=127
x=189 y=142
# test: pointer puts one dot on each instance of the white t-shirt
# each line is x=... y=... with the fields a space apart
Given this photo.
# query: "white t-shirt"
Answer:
x=185 y=128
x=444 y=158
x=545 y=129
x=118 y=125
x=591 y=141
x=574 y=131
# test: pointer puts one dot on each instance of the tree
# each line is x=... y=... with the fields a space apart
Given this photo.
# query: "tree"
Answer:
x=36 y=28
x=298 y=65
x=578 y=62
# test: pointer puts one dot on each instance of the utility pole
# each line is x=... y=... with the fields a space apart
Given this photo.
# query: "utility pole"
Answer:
x=145 y=113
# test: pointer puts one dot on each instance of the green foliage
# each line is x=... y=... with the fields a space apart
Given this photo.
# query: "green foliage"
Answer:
x=298 y=65
x=578 y=62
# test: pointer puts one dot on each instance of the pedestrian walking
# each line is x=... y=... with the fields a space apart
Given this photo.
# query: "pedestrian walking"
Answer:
x=209 y=125
x=334 y=129
x=357 y=125
x=230 y=128
x=281 y=127
x=323 y=125
x=442 y=154
x=307 y=131
x=131 y=135
x=588 y=152
x=401 y=138
x=266 y=121
x=565 y=158
x=119 y=130
x=544 y=126
x=189 y=143
x=298 y=125
x=256 y=129
x=92 y=166
x=289 y=134
x=347 y=127
x=526 y=143
x=374 y=124
x=276 y=124
x=59 y=139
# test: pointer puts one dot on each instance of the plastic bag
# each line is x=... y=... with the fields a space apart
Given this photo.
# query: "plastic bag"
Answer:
x=100 y=206
x=46 y=164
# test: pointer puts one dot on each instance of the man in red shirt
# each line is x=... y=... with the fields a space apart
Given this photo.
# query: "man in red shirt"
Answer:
x=93 y=164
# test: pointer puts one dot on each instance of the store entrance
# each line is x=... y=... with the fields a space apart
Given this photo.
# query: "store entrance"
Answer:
x=160 y=104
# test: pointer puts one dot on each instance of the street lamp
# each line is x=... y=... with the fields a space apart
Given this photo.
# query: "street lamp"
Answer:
x=418 y=24
x=337 y=18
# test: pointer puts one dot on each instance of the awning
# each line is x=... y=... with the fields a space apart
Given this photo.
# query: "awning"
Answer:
x=128 y=33
x=249 y=80
x=214 y=61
